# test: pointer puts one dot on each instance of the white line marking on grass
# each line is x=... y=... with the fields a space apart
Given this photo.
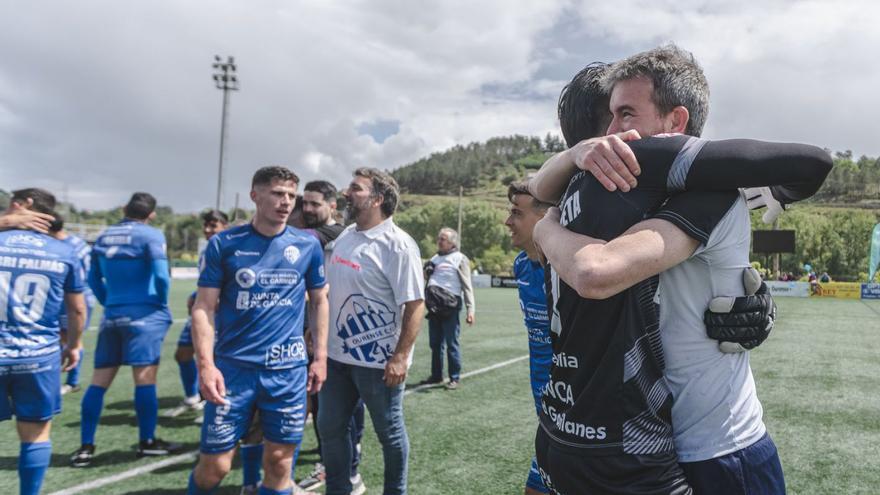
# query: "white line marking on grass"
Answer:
x=191 y=456
x=131 y=473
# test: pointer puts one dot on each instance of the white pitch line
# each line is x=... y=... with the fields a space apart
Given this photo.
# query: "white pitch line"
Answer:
x=191 y=456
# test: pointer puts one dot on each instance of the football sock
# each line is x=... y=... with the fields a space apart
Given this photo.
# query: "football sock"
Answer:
x=189 y=377
x=92 y=403
x=33 y=460
x=251 y=462
x=193 y=489
x=146 y=405
x=73 y=375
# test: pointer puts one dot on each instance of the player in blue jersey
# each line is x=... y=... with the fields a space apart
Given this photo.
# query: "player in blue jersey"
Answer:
x=213 y=221
x=84 y=255
x=525 y=211
x=252 y=289
x=130 y=277
x=39 y=276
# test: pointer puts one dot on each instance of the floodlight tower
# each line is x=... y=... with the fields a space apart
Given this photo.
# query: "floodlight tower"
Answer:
x=225 y=79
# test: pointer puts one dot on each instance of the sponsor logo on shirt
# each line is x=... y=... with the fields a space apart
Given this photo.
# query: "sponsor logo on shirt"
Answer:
x=239 y=252
x=563 y=360
x=247 y=300
x=368 y=329
x=287 y=353
x=235 y=236
x=571 y=208
x=25 y=240
x=348 y=263
x=572 y=428
x=291 y=254
x=278 y=278
x=246 y=278
x=560 y=391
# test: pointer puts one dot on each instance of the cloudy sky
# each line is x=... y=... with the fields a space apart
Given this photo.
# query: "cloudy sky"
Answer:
x=98 y=99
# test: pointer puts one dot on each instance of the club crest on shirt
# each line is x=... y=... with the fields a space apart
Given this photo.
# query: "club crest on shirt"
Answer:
x=291 y=254
x=246 y=278
x=368 y=329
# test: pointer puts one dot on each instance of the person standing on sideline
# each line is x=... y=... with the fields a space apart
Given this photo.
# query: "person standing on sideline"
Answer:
x=131 y=279
x=40 y=277
x=525 y=212
x=376 y=308
x=252 y=289
x=84 y=255
x=449 y=278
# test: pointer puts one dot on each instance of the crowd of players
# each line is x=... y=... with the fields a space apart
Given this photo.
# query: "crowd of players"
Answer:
x=634 y=284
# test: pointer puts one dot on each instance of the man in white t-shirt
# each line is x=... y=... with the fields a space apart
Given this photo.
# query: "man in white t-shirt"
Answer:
x=376 y=308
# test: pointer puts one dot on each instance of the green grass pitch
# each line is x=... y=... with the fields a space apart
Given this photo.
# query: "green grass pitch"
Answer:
x=816 y=377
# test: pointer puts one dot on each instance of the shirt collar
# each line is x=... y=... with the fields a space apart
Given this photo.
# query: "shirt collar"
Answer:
x=378 y=230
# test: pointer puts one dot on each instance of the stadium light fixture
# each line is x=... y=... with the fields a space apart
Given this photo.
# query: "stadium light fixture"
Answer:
x=225 y=79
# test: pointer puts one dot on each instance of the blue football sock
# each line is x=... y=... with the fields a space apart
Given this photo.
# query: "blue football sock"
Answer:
x=193 y=489
x=189 y=377
x=251 y=462
x=73 y=375
x=90 y=410
x=268 y=491
x=146 y=405
x=33 y=460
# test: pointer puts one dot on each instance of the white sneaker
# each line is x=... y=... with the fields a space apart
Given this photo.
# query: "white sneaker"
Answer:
x=199 y=419
x=194 y=403
x=298 y=490
x=357 y=485
x=66 y=389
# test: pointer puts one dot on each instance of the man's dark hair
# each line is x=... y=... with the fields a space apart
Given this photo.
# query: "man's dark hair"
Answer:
x=384 y=185
x=140 y=206
x=42 y=200
x=678 y=81
x=516 y=188
x=215 y=216
x=57 y=222
x=265 y=176
x=326 y=189
x=583 y=105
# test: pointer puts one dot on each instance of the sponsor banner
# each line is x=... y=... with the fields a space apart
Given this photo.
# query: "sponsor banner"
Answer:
x=842 y=290
x=508 y=282
x=185 y=272
x=789 y=289
x=870 y=291
x=481 y=280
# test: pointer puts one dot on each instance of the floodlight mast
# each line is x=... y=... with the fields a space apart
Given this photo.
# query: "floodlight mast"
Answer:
x=225 y=79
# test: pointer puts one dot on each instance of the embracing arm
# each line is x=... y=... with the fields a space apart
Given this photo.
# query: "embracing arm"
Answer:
x=597 y=269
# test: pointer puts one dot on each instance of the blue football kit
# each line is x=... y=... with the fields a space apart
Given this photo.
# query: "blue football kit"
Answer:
x=35 y=273
x=130 y=277
x=260 y=349
x=83 y=253
x=533 y=302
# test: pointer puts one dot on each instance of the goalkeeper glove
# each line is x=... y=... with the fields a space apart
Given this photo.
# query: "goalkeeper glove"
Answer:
x=759 y=197
x=742 y=323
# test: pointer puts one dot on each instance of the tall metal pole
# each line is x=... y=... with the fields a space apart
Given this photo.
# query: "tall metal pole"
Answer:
x=460 y=237
x=225 y=79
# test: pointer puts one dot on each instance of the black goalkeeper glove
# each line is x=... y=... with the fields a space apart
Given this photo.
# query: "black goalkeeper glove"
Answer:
x=742 y=323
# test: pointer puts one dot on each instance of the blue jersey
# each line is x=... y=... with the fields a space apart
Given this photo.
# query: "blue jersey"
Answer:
x=263 y=282
x=129 y=266
x=83 y=253
x=35 y=272
x=533 y=302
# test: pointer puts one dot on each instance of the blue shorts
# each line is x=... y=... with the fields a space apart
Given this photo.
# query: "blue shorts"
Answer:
x=134 y=339
x=754 y=469
x=534 y=480
x=186 y=338
x=279 y=395
x=31 y=392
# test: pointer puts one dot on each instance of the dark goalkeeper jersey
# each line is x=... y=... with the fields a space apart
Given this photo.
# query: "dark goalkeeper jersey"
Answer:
x=607 y=394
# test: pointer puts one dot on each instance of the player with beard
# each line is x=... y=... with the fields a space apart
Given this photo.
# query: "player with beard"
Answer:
x=607 y=412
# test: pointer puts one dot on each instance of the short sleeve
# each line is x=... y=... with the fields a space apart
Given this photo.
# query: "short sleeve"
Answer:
x=74 y=282
x=211 y=269
x=404 y=271
x=157 y=247
x=315 y=278
x=697 y=213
